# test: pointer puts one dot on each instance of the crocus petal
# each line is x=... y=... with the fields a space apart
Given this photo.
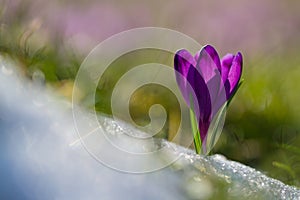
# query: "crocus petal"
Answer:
x=235 y=73
x=226 y=63
x=217 y=94
x=201 y=98
x=196 y=57
x=182 y=62
x=210 y=68
x=208 y=63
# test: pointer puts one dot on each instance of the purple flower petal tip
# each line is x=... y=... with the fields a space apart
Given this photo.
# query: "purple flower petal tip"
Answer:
x=214 y=56
x=235 y=73
x=183 y=60
x=208 y=63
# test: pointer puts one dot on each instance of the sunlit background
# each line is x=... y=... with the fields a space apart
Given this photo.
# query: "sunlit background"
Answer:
x=49 y=40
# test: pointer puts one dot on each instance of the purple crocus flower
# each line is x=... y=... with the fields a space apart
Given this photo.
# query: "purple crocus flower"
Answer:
x=207 y=82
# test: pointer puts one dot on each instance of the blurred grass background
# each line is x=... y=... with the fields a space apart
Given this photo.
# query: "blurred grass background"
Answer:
x=51 y=39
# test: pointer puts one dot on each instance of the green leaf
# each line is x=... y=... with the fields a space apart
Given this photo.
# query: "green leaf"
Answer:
x=195 y=129
x=284 y=167
x=215 y=128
